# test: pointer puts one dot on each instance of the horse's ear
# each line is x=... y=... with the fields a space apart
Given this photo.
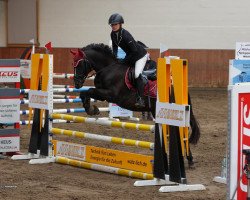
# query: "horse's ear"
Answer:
x=80 y=53
x=73 y=52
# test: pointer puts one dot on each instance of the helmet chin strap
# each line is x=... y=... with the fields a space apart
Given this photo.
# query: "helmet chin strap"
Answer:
x=119 y=28
x=118 y=39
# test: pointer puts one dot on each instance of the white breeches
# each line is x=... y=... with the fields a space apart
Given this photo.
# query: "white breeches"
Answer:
x=139 y=65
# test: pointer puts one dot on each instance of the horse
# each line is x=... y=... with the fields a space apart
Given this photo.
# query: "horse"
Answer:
x=109 y=79
x=110 y=84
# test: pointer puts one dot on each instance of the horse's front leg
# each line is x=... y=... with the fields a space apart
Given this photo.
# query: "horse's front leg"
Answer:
x=90 y=109
x=98 y=94
x=102 y=94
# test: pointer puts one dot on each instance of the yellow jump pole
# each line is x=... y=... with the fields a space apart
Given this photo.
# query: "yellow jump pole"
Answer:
x=163 y=87
x=125 y=125
x=179 y=69
x=102 y=168
x=115 y=140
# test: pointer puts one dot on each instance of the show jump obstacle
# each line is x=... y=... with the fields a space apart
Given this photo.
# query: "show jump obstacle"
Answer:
x=156 y=169
x=172 y=122
x=44 y=143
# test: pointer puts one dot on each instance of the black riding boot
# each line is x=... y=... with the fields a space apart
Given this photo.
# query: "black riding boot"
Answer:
x=140 y=92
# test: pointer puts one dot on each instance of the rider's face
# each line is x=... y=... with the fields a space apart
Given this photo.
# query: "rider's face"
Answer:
x=115 y=27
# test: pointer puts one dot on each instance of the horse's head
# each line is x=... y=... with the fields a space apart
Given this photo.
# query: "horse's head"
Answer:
x=92 y=57
x=82 y=67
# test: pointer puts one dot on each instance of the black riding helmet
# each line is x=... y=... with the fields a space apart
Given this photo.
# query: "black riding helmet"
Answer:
x=116 y=19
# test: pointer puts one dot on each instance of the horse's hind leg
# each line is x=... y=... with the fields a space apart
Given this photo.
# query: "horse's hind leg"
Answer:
x=143 y=114
x=190 y=159
x=147 y=116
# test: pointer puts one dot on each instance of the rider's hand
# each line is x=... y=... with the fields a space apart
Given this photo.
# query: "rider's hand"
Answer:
x=121 y=61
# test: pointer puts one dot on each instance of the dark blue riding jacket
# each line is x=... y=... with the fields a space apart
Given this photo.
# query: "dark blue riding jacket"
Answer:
x=126 y=42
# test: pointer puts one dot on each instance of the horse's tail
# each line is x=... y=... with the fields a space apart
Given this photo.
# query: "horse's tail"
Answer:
x=195 y=135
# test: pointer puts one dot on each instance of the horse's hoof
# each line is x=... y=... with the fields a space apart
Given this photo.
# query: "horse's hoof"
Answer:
x=150 y=117
x=191 y=165
x=93 y=110
x=143 y=116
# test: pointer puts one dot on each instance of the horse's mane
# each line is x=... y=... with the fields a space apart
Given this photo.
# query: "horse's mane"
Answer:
x=102 y=48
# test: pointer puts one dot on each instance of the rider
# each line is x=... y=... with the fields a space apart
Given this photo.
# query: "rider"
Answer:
x=136 y=55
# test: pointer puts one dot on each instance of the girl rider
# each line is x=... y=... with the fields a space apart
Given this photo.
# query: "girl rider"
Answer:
x=136 y=55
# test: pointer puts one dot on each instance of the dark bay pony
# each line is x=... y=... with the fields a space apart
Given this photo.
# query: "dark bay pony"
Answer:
x=110 y=85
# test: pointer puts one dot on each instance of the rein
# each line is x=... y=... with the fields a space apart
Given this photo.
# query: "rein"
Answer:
x=93 y=74
x=105 y=68
x=89 y=76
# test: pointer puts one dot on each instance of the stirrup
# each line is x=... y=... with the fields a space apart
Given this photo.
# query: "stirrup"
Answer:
x=139 y=103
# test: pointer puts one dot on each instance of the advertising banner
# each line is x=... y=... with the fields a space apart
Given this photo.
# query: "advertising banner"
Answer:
x=9 y=140
x=9 y=74
x=239 y=71
x=239 y=139
x=40 y=99
x=103 y=156
x=25 y=66
x=242 y=51
x=172 y=114
x=116 y=111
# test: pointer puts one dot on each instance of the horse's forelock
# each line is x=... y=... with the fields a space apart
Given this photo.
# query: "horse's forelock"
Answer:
x=73 y=52
x=77 y=56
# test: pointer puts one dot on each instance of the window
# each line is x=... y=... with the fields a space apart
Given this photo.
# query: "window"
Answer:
x=22 y=22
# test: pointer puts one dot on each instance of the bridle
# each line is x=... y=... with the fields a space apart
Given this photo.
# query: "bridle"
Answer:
x=87 y=67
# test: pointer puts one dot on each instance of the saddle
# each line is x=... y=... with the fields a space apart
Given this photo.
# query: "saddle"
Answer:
x=149 y=78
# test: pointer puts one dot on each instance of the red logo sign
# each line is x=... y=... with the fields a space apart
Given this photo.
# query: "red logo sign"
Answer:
x=243 y=141
x=9 y=73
